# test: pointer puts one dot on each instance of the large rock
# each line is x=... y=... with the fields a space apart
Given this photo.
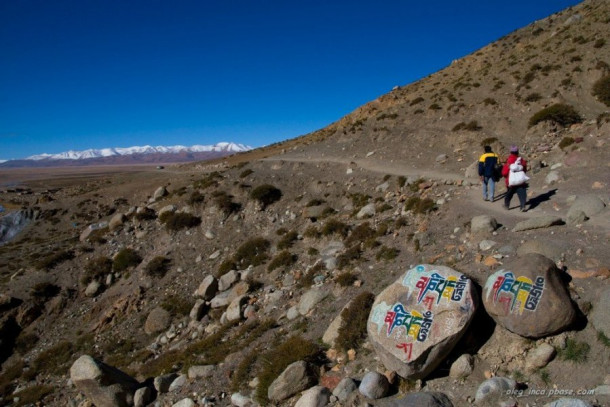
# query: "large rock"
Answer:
x=421 y=399
x=317 y=396
x=117 y=221
x=158 y=320
x=374 y=385
x=589 y=204
x=538 y=222
x=541 y=246
x=104 y=385
x=600 y=317
x=416 y=321
x=310 y=299
x=494 y=389
x=345 y=387
x=529 y=297
x=208 y=288
x=295 y=378
x=483 y=225
x=160 y=193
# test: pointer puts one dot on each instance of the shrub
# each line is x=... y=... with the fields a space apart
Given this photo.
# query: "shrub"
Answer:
x=146 y=214
x=245 y=173
x=600 y=42
x=602 y=118
x=334 y=226
x=559 y=113
x=32 y=395
x=402 y=180
x=282 y=259
x=346 y=279
x=266 y=195
x=533 y=97
x=125 y=259
x=180 y=220
x=351 y=254
x=43 y=291
x=287 y=240
x=276 y=360
x=25 y=342
x=312 y=232
x=96 y=268
x=418 y=205
x=54 y=360
x=177 y=305
x=601 y=90
x=565 y=142
x=210 y=180
x=434 y=106
x=416 y=101
x=360 y=234
x=54 y=259
x=490 y=101
x=252 y=252
x=157 y=267
x=386 y=253
x=224 y=203
x=196 y=197
x=352 y=331
x=488 y=141
x=574 y=351
x=470 y=126
x=225 y=267
x=315 y=202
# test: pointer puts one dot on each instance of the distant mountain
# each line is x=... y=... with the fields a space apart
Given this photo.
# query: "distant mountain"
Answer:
x=129 y=155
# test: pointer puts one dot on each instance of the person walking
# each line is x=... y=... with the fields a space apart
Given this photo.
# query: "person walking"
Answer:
x=516 y=181
x=487 y=168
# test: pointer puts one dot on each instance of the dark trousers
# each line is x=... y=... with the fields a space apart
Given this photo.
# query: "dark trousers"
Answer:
x=520 y=190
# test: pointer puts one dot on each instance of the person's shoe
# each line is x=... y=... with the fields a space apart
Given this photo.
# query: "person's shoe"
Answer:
x=506 y=207
x=523 y=210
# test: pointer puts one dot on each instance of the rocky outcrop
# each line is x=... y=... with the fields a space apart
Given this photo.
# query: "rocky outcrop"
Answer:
x=529 y=297
x=104 y=385
x=415 y=322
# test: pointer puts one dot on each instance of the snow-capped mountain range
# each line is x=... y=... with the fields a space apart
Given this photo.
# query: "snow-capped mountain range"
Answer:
x=109 y=152
x=130 y=155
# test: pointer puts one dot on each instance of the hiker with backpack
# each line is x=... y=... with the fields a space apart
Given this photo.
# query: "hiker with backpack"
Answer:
x=516 y=180
x=487 y=172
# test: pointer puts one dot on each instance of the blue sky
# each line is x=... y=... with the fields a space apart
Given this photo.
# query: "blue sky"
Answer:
x=82 y=74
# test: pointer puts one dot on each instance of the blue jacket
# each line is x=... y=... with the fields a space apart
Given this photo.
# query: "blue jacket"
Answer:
x=487 y=164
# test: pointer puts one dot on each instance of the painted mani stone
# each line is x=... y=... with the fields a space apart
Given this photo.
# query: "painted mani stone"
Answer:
x=529 y=297
x=416 y=321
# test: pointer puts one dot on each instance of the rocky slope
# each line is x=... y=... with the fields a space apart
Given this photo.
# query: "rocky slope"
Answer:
x=225 y=283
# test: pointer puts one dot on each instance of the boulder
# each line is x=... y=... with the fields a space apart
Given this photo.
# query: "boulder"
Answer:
x=142 y=397
x=529 y=297
x=367 y=211
x=297 y=377
x=166 y=209
x=239 y=400
x=310 y=299
x=234 y=312
x=345 y=387
x=208 y=288
x=102 y=384
x=200 y=371
x=160 y=193
x=494 y=389
x=200 y=308
x=462 y=367
x=538 y=222
x=600 y=317
x=117 y=221
x=227 y=280
x=483 y=224
x=541 y=246
x=539 y=357
x=158 y=320
x=575 y=217
x=421 y=399
x=589 y=204
x=568 y=402
x=374 y=385
x=163 y=382
x=317 y=396
x=416 y=321
x=187 y=402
